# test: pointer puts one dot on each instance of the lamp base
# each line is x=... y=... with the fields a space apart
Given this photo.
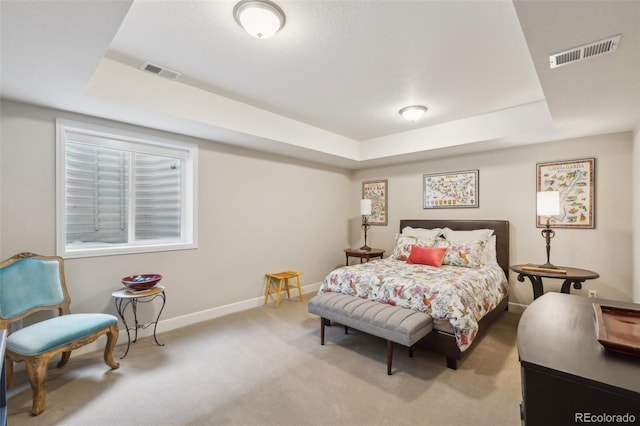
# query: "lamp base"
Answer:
x=365 y=248
x=548 y=266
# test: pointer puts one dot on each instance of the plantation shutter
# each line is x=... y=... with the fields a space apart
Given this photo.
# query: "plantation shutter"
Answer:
x=121 y=192
x=105 y=178
x=97 y=182
x=158 y=202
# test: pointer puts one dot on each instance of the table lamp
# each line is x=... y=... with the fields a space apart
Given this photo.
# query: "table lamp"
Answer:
x=365 y=211
x=547 y=205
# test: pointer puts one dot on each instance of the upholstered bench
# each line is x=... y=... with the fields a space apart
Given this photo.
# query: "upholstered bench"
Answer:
x=393 y=323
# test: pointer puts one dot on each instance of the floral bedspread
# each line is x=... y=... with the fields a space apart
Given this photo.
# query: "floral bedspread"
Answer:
x=456 y=294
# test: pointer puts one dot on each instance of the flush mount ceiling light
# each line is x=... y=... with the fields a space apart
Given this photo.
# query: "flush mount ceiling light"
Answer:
x=260 y=18
x=413 y=112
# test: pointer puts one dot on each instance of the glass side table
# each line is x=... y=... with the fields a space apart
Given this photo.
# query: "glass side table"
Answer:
x=125 y=297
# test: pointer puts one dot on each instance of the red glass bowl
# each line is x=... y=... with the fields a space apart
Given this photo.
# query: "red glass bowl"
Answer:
x=141 y=282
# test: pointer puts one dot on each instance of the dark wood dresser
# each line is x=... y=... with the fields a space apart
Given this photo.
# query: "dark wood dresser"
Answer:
x=567 y=376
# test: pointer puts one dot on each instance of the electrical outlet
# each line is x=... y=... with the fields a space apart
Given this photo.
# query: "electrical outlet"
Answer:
x=593 y=293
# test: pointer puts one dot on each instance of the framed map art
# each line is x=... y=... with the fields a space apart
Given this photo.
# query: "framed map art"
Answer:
x=574 y=180
x=451 y=190
x=376 y=191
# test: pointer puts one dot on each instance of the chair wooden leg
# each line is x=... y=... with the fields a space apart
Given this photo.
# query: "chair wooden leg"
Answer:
x=8 y=370
x=112 y=339
x=64 y=359
x=323 y=322
x=389 y=356
x=37 y=372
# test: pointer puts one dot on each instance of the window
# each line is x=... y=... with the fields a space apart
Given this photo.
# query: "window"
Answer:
x=119 y=192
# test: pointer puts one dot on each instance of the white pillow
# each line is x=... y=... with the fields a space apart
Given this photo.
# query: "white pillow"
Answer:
x=490 y=255
x=476 y=234
x=421 y=232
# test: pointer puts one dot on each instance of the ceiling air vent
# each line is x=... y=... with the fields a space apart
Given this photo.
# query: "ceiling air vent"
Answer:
x=163 y=72
x=581 y=53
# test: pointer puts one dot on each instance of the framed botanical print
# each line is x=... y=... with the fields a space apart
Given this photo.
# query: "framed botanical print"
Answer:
x=451 y=190
x=575 y=181
x=376 y=191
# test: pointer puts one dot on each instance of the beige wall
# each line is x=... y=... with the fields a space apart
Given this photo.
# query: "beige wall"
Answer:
x=507 y=191
x=260 y=213
x=636 y=213
x=257 y=213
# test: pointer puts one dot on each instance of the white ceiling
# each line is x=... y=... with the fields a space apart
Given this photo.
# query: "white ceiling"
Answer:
x=328 y=86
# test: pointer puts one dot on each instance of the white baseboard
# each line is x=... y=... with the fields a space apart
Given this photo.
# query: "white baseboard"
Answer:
x=189 y=319
x=208 y=314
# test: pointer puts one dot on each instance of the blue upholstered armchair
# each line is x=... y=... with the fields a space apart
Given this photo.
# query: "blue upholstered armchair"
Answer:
x=31 y=283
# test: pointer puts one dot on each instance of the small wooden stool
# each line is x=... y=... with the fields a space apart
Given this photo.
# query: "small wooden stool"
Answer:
x=281 y=284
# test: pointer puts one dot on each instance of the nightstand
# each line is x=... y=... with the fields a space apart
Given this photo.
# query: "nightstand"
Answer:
x=363 y=254
x=571 y=276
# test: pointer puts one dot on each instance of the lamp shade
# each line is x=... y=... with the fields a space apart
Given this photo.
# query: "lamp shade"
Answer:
x=365 y=207
x=260 y=18
x=548 y=203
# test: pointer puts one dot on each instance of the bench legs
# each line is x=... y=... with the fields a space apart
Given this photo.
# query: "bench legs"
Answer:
x=324 y=322
x=390 y=355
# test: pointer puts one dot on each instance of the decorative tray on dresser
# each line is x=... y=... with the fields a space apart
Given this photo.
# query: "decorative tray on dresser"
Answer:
x=618 y=329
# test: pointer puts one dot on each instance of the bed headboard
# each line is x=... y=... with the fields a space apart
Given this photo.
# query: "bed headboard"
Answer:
x=500 y=230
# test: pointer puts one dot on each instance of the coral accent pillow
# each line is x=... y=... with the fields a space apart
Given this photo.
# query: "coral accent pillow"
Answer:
x=431 y=256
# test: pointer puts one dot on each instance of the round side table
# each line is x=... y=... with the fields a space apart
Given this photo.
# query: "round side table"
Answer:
x=125 y=297
x=571 y=276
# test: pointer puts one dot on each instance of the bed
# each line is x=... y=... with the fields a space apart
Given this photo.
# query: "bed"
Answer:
x=463 y=296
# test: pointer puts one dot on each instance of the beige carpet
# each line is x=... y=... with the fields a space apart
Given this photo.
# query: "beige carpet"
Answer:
x=267 y=367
